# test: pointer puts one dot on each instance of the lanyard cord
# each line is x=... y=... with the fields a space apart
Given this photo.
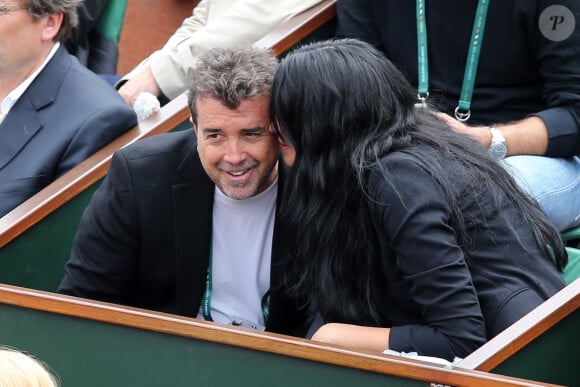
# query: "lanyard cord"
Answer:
x=206 y=302
x=463 y=109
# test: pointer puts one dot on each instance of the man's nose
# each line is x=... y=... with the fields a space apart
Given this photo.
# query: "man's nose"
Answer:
x=235 y=152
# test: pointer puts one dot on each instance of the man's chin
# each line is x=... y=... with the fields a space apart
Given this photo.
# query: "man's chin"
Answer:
x=238 y=193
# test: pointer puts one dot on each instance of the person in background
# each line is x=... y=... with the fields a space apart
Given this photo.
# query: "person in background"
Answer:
x=521 y=101
x=90 y=46
x=405 y=234
x=214 y=23
x=20 y=370
x=186 y=222
x=54 y=113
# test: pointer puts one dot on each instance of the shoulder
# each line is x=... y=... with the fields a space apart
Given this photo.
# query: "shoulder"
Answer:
x=161 y=160
x=398 y=165
x=82 y=87
x=408 y=174
x=161 y=145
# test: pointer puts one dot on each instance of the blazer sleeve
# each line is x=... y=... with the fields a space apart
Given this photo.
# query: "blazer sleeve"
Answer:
x=413 y=214
x=103 y=260
x=559 y=61
x=243 y=22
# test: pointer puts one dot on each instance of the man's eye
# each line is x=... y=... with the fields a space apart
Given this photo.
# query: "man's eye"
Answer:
x=213 y=136
x=256 y=135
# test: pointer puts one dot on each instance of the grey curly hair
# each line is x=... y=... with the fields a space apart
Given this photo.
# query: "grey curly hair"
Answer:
x=40 y=8
x=231 y=75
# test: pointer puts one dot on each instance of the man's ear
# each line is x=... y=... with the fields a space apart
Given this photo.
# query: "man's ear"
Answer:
x=52 y=23
x=193 y=124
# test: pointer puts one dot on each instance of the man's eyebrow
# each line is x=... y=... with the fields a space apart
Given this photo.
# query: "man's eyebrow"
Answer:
x=211 y=130
x=256 y=129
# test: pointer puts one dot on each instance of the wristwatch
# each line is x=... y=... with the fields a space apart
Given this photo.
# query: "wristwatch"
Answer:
x=498 y=148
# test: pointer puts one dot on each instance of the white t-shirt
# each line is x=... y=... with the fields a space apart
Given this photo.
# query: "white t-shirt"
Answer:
x=242 y=251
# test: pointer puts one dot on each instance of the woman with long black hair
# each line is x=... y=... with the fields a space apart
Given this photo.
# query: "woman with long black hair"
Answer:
x=407 y=235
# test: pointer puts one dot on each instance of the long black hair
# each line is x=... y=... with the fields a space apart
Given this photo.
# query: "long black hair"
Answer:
x=343 y=106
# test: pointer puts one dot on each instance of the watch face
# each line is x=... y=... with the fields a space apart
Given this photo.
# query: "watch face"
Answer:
x=498 y=150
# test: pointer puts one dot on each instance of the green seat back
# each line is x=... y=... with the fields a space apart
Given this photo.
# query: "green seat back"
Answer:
x=572 y=270
x=571 y=234
x=110 y=22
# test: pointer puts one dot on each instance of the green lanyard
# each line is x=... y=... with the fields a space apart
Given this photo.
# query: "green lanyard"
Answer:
x=463 y=109
x=206 y=302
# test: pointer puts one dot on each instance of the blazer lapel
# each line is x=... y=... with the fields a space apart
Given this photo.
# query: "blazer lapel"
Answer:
x=23 y=121
x=19 y=126
x=192 y=210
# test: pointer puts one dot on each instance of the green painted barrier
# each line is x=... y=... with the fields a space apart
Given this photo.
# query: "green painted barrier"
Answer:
x=541 y=346
x=89 y=353
x=550 y=358
x=96 y=344
x=36 y=258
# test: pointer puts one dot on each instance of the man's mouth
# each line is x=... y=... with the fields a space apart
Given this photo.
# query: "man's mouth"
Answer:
x=238 y=173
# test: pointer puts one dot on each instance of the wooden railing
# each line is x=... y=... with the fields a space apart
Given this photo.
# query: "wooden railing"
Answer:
x=541 y=345
x=94 y=343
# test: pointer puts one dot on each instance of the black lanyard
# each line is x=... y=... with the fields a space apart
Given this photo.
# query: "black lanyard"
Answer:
x=206 y=302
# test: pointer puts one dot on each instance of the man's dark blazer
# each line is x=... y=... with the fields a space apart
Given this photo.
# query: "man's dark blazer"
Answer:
x=144 y=239
x=66 y=114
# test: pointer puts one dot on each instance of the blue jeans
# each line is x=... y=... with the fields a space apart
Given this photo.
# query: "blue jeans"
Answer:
x=553 y=182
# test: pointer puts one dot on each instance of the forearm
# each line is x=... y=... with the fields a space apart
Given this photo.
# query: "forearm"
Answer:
x=243 y=22
x=526 y=137
x=354 y=336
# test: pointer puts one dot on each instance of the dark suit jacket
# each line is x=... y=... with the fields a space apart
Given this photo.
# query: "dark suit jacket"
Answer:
x=144 y=239
x=438 y=300
x=64 y=116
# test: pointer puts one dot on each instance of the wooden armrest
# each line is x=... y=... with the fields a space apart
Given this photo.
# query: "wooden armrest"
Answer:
x=525 y=330
x=292 y=31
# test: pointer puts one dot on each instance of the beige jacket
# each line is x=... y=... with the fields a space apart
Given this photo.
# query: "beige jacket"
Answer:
x=213 y=24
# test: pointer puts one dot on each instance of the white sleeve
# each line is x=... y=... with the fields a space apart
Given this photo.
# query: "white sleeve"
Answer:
x=217 y=23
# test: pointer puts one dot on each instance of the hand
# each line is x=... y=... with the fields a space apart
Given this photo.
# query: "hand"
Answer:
x=143 y=81
x=354 y=336
x=479 y=133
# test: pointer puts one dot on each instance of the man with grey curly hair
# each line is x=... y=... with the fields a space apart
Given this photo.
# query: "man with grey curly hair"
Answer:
x=54 y=113
x=186 y=223
x=231 y=76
